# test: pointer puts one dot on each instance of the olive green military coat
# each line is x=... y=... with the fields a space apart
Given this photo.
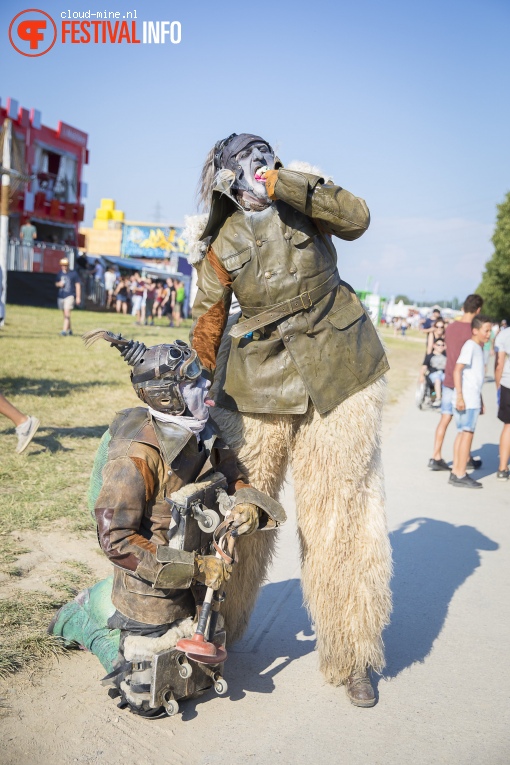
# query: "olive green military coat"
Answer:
x=324 y=352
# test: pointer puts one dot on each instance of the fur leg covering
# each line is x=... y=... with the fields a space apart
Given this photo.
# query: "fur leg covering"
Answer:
x=346 y=555
x=141 y=648
x=262 y=444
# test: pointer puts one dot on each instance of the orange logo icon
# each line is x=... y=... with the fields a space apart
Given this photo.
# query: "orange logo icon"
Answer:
x=32 y=32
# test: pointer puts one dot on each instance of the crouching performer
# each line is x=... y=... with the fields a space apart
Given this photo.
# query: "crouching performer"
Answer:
x=171 y=501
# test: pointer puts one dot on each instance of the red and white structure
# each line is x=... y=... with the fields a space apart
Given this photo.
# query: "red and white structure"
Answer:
x=53 y=159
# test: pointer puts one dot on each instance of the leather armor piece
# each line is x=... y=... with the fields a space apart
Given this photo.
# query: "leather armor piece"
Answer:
x=274 y=510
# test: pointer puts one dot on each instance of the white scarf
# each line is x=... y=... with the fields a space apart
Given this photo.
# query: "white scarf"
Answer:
x=190 y=423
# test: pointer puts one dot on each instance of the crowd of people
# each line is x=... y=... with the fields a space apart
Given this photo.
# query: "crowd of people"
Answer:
x=146 y=298
x=143 y=297
x=455 y=367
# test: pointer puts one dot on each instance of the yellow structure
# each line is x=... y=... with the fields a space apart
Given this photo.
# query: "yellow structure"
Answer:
x=105 y=236
x=107 y=213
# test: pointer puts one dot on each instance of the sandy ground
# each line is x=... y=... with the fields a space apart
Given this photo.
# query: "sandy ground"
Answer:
x=444 y=698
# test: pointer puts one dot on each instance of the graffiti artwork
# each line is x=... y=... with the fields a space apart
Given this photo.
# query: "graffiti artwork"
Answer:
x=151 y=241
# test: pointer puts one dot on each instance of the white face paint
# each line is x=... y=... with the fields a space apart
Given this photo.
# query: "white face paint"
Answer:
x=194 y=394
x=251 y=159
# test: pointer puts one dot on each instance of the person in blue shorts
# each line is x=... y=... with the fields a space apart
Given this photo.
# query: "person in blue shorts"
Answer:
x=468 y=377
x=69 y=294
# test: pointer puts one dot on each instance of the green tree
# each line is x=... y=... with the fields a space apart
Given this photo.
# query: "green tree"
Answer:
x=404 y=298
x=495 y=285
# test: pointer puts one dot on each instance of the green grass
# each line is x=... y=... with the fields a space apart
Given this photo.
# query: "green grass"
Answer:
x=23 y=623
x=75 y=393
x=405 y=358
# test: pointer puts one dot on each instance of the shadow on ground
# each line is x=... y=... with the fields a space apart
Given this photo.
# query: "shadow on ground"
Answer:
x=489 y=454
x=27 y=386
x=48 y=439
x=432 y=559
x=254 y=662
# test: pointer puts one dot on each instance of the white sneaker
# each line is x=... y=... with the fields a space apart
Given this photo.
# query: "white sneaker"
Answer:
x=26 y=431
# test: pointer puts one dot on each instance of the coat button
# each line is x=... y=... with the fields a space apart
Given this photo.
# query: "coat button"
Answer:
x=268 y=274
x=286 y=338
x=287 y=236
x=292 y=270
x=259 y=243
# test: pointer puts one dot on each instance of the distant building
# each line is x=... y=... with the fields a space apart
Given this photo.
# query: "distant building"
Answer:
x=53 y=199
x=155 y=243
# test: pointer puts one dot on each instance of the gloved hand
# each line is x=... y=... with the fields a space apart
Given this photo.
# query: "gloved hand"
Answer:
x=270 y=177
x=245 y=519
x=211 y=571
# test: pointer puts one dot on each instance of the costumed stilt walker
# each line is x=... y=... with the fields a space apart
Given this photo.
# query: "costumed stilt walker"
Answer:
x=163 y=478
x=302 y=384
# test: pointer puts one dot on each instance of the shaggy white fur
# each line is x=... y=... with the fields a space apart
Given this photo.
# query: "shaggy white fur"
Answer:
x=180 y=496
x=345 y=551
x=306 y=167
x=194 y=226
x=139 y=648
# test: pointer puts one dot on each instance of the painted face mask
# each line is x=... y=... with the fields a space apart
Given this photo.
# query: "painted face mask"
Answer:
x=246 y=154
x=256 y=157
x=195 y=395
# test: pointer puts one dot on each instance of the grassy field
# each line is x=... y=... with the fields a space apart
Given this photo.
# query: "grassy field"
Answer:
x=405 y=357
x=75 y=393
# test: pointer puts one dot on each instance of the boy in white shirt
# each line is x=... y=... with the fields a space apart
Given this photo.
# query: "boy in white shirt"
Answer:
x=468 y=377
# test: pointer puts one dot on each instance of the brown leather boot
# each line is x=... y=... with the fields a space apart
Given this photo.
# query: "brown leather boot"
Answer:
x=359 y=689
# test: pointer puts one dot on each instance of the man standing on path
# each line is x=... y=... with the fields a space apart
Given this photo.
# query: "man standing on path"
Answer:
x=502 y=376
x=468 y=376
x=69 y=288
x=457 y=333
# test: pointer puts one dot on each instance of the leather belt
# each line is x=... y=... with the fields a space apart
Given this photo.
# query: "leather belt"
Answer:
x=286 y=308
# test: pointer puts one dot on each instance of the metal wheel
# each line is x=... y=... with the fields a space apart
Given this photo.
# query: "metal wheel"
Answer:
x=209 y=521
x=221 y=687
x=420 y=394
x=171 y=706
x=185 y=670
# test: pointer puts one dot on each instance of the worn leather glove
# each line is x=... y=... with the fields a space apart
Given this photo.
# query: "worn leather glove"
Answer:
x=211 y=571
x=245 y=519
x=271 y=176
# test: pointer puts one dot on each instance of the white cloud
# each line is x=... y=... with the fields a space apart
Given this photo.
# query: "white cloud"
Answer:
x=425 y=258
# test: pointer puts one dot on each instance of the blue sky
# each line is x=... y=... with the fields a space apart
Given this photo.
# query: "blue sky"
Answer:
x=405 y=104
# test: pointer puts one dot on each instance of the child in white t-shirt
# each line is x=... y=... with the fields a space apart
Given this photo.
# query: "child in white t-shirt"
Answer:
x=468 y=378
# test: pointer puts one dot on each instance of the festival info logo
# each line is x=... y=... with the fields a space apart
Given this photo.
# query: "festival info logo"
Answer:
x=32 y=32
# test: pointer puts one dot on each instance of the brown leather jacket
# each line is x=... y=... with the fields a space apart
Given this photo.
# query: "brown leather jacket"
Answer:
x=147 y=461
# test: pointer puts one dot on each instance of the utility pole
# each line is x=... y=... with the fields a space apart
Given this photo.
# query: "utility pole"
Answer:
x=157 y=213
x=4 y=215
